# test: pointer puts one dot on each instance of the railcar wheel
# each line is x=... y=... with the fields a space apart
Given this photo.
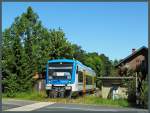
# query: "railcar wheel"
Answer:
x=62 y=94
x=75 y=94
x=48 y=93
x=67 y=93
x=70 y=95
x=55 y=94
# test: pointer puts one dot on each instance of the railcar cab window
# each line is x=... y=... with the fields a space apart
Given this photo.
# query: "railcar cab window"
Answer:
x=60 y=70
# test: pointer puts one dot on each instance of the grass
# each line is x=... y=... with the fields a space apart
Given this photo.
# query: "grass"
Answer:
x=107 y=102
x=93 y=100
x=27 y=96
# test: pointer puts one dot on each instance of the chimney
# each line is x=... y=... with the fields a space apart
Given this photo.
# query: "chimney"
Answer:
x=133 y=50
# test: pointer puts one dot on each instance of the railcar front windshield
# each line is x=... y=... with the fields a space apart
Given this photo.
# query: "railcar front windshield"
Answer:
x=60 y=70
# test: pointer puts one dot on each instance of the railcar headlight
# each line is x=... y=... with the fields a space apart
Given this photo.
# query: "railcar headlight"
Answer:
x=68 y=77
x=48 y=86
x=50 y=77
x=68 y=87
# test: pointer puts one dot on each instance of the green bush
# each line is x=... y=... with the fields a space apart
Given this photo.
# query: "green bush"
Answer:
x=144 y=95
x=131 y=91
x=11 y=86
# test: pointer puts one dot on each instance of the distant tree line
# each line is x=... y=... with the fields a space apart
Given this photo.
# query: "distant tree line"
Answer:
x=27 y=45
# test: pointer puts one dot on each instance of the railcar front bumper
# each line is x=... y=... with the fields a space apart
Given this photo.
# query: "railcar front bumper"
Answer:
x=58 y=90
x=57 y=87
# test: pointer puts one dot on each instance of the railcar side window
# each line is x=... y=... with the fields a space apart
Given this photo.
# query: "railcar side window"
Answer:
x=88 y=80
x=80 y=76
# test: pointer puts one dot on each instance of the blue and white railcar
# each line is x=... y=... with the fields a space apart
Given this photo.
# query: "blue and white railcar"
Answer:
x=66 y=77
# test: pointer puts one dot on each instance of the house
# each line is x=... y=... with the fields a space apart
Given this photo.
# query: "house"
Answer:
x=137 y=62
x=39 y=82
x=114 y=87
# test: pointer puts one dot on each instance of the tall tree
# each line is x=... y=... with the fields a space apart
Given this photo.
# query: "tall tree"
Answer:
x=24 y=48
x=78 y=53
x=94 y=61
x=60 y=46
x=106 y=68
x=11 y=60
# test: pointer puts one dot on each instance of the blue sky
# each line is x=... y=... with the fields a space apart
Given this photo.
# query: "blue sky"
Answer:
x=109 y=28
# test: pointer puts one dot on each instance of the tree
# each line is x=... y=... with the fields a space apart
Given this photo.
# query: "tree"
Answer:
x=115 y=62
x=25 y=45
x=106 y=68
x=60 y=46
x=144 y=94
x=8 y=59
x=113 y=69
x=78 y=53
x=11 y=60
x=94 y=61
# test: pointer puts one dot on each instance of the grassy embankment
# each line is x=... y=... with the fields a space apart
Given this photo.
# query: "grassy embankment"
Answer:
x=80 y=100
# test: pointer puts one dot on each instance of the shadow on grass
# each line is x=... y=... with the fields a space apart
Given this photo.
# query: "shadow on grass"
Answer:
x=134 y=105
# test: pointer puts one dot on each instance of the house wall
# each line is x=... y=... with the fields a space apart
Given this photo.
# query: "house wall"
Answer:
x=107 y=92
x=123 y=92
x=135 y=62
x=132 y=64
x=40 y=85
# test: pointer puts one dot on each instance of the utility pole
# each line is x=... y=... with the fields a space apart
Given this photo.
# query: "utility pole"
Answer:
x=84 y=82
x=84 y=85
x=137 y=93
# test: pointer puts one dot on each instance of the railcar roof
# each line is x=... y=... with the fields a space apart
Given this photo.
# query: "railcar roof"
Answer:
x=71 y=60
x=61 y=60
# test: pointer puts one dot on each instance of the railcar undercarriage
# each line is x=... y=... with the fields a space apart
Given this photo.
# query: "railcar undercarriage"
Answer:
x=59 y=92
x=62 y=92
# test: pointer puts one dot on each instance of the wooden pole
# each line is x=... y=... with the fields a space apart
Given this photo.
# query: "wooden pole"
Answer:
x=93 y=85
x=84 y=83
x=137 y=100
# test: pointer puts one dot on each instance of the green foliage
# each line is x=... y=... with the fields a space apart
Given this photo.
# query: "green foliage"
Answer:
x=144 y=95
x=100 y=64
x=131 y=91
x=18 y=58
x=60 y=47
x=78 y=53
x=11 y=85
